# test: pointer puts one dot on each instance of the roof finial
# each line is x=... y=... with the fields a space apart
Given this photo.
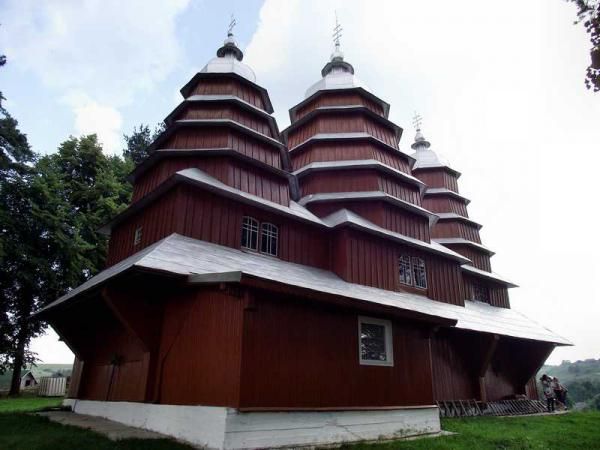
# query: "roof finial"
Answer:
x=417 y=121
x=232 y=24
x=337 y=32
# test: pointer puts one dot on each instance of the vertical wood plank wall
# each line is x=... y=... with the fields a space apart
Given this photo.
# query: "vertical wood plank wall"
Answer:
x=339 y=99
x=228 y=86
x=302 y=354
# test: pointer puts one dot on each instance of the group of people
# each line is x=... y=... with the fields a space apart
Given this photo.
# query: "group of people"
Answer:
x=553 y=391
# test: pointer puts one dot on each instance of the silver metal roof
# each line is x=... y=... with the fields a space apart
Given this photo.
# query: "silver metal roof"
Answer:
x=344 y=216
x=451 y=216
x=358 y=163
x=229 y=60
x=369 y=195
x=462 y=241
x=487 y=275
x=427 y=158
x=189 y=257
x=445 y=191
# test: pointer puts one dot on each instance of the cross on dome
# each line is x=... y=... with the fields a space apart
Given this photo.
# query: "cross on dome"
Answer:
x=417 y=121
x=337 y=32
x=232 y=24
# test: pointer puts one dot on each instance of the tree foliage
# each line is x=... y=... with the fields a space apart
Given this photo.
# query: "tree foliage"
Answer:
x=138 y=142
x=588 y=12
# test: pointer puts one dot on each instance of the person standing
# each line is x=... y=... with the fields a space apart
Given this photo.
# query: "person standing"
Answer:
x=548 y=391
x=560 y=391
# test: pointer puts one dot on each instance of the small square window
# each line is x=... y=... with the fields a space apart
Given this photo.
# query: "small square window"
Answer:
x=481 y=293
x=375 y=342
x=137 y=236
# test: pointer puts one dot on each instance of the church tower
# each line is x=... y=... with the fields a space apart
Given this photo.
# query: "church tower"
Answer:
x=454 y=229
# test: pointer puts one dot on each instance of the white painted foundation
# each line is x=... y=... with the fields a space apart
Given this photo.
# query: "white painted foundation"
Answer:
x=227 y=428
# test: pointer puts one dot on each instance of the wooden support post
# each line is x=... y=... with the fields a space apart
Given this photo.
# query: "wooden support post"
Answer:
x=485 y=364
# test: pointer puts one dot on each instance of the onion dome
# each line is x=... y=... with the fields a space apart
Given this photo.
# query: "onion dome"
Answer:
x=424 y=156
x=229 y=60
x=337 y=74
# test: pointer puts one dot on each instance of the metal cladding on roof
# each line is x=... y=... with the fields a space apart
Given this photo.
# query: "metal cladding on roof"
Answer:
x=454 y=216
x=488 y=275
x=446 y=191
x=462 y=241
x=344 y=216
x=184 y=256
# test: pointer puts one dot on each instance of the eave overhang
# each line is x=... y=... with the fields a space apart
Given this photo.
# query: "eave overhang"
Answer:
x=446 y=192
x=186 y=90
x=490 y=276
x=368 y=195
x=325 y=166
x=360 y=136
x=200 y=262
x=346 y=109
x=199 y=178
x=197 y=99
x=432 y=168
x=158 y=155
x=449 y=217
x=360 y=90
x=344 y=217
x=212 y=123
x=462 y=241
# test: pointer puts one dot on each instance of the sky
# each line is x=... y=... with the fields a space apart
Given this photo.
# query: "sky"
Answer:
x=500 y=86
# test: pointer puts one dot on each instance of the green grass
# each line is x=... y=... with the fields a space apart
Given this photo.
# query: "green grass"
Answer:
x=28 y=432
x=27 y=403
x=580 y=430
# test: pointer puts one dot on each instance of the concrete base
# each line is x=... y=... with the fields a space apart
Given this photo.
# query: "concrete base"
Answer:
x=228 y=428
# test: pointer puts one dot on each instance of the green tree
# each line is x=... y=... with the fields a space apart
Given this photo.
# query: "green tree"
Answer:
x=137 y=143
x=70 y=194
x=588 y=12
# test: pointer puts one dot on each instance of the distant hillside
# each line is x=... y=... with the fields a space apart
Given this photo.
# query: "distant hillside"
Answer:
x=41 y=370
x=582 y=379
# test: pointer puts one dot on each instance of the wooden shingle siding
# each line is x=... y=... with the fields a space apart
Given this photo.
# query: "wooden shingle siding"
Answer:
x=201 y=137
x=342 y=123
x=339 y=99
x=304 y=354
x=228 y=86
x=348 y=150
x=437 y=178
x=362 y=180
x=228 y=170
x=192 y=212
x=198 y=111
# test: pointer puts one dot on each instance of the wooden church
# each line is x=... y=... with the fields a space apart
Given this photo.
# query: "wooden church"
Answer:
x=307 y=286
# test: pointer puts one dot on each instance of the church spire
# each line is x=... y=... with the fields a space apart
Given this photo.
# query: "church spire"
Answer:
x=230 y=48
x=420 y=141
x=336 y=62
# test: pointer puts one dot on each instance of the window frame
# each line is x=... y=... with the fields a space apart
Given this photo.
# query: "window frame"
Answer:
x=255 y=223
x=137 y=236
x=420 y=264
x=270 y=236
x=483 y=289
x=388 y=342
x=405 y=259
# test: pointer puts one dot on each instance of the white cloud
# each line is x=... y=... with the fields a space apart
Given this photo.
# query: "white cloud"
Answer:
x=91 y=117
x=502 y=94
x=110 y=50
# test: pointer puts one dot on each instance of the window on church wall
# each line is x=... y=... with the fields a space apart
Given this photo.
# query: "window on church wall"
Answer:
x=480 y=293
x=419 y=273
x=412 y=271
x=137 y=236
x=405 y=270
x=268 y=239
x=250 y=233
x=375 y=342
x=256 y=236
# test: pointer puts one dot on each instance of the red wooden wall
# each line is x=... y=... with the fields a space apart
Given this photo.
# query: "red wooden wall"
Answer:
x=229 y=86
x=339 y=99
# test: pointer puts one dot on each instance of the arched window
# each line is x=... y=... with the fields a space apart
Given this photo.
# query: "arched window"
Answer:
x=419 y=273
x=269 y=236
x=250 y=233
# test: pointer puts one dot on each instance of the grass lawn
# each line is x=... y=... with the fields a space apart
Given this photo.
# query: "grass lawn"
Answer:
x=568 y=431
x=577 y=430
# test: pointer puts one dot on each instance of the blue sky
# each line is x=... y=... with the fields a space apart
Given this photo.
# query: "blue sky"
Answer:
x=499 y=84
